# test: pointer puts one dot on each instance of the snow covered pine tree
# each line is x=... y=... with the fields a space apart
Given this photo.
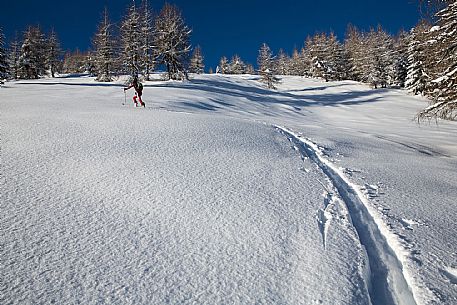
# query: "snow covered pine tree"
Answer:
x=172 y=41
x=196 y=61
x=147 y=60
x=265 y=62
x=104 y=54
x=445 y=86
x=13 y=57
x=131 y=42
x=32 y=61
x=52 y=53
x=223 y=67
x=3 y=57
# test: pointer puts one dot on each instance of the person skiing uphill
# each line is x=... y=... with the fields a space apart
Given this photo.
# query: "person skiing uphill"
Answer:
x=138 y=91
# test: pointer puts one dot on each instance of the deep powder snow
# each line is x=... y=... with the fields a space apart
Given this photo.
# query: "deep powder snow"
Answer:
x=199 y=199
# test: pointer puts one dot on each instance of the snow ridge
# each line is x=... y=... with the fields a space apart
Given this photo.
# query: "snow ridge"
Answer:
x=389 y=282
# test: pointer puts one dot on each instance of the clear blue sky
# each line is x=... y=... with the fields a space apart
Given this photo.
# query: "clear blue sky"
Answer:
x=219 y=27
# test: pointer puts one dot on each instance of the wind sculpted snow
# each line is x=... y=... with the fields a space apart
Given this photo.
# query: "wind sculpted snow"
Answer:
x=199 y=199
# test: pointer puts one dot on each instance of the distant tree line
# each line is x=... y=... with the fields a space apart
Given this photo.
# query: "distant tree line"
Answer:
x=140 y=43
x=37 y=55
x=424 y=60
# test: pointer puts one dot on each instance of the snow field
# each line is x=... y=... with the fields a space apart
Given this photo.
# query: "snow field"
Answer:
x=198 y=199
x=111 y=204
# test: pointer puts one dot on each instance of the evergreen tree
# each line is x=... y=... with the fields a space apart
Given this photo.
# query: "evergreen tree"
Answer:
x=89 y=63
x=265 y=58
x=196 y=61
x=282 y=63
x=318 y=53
x=4 y=67
x=417 y=78
x=223 y=67
x=28 y=61
x=104 y=52
x=130 y=36
x=373 y=73
x=53 y=52
x=445 y=94
x=172 y=41
x=32 y=61
x=77 y=62
x=354 y=49
x=13 y=57
x=401 y=60
x=304 y=63
x=335 y=58
x=294 y=63
x=297 y=63
x=250 y=69
x=265 y=63
x=237 y=66
x=147 y=38
x=389 y=55
x=268 y=78
x=378 y=64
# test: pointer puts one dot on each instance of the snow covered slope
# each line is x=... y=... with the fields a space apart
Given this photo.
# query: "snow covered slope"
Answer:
x=221 y=191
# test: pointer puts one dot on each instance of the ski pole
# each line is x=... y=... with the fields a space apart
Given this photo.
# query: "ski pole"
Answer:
x=125 y=98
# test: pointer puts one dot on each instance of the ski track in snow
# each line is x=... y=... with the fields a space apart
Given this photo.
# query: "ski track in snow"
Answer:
x=389 y=282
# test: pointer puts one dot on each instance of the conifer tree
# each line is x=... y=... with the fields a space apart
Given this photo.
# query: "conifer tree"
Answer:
x=401 y=59
x=294 y=63
x=223 y=67
x=335 y=58
x=444 y=103
x=265 y=63
x=318 y=51
x=417 y=78
x=76 y=62
x=32 y=61
x=373 y=73
x=304 y=63
x=14 y=54
x=4 y=67
x=172 y=41
x=237 y=66
x=250 y=69
x=104 y=52
x=52 y=53
x=297 y=62
x=378 y=64
x=196 y=61
x=130 y=36
x=89 y=63
x=354 y=48
x=282 y=63
x=265 y=58
x=147 y=38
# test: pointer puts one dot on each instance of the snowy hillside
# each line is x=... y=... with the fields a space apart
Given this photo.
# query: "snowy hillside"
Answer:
x=223 y=192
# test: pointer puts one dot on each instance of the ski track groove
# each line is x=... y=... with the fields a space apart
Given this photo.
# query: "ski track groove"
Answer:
x=389 y=282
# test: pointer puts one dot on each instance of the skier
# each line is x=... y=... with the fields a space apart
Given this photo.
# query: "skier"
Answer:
x=138 y=91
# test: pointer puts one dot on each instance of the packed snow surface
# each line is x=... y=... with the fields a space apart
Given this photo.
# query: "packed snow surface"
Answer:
x=223 y=192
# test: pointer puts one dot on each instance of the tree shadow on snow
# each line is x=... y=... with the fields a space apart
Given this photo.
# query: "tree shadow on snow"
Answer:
x=73 y=84
x=264 y=96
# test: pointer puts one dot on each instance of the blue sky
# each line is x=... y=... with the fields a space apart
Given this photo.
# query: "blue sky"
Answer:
x=219 y=27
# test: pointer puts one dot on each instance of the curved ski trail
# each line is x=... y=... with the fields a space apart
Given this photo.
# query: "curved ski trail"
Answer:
x=388 y=282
